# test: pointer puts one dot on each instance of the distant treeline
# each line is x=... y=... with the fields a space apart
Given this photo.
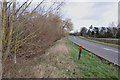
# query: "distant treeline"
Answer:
x=99 y=32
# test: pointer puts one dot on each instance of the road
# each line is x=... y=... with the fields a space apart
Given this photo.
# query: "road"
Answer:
x=106 y=52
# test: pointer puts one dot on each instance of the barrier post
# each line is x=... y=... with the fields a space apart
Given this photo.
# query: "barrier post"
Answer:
x=80 y=50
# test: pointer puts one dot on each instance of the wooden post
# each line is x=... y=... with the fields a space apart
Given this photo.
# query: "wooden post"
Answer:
x=79 y=55
x=80 y=50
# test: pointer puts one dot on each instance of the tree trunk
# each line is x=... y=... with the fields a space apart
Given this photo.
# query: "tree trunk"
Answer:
x=3 y=32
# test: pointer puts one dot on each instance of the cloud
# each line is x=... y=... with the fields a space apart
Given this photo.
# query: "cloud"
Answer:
x=71 y=0
x=76 y=10
x=99 y=9
x=91 y=13
x=92 y=0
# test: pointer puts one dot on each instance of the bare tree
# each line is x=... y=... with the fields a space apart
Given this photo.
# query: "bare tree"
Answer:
x=114 y=29
x=25 y=31
x=68 y=24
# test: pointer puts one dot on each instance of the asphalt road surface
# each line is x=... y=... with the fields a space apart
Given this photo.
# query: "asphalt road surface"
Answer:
x=106 y=52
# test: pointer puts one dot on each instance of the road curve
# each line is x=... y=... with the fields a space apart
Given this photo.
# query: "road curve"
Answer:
x=109 y=53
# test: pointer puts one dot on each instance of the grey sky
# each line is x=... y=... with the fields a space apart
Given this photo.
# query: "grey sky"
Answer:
x=88 y=12
x=91 y=13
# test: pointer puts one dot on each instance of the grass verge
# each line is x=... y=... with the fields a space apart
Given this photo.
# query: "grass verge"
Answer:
x=91 y=66
x=103 y=43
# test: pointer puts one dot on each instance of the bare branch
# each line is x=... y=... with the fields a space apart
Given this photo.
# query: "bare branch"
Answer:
x=38 y=5
x=9 y=5
x=22 y=6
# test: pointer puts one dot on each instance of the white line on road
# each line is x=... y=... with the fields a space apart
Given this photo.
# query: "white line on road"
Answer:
x=111 y=50
x=74 y=37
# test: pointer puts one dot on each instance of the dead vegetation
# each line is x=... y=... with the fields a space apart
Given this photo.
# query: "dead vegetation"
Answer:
x=54 y=63
x=26 y=32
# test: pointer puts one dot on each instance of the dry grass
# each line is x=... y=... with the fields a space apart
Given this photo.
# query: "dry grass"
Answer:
x=28 y=34
x=0 y=69
x=55 y=63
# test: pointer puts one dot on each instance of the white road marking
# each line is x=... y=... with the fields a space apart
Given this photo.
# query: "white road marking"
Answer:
x=74 y=37
x=111 y=50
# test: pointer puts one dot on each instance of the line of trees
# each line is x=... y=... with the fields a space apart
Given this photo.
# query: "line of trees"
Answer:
x=101 y=32
x=26 y=30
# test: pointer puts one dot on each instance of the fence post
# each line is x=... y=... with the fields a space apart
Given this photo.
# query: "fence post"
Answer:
x=80 y=50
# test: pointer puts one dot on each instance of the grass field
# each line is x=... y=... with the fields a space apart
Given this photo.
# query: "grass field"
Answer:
x=91 y=66
x=103 y=43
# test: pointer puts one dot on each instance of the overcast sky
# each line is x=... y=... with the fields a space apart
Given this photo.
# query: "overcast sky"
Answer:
x=91 y=13
x=84 y=13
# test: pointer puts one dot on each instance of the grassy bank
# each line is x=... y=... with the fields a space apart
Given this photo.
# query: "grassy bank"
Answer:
x=91 y=66
x=103 y=43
